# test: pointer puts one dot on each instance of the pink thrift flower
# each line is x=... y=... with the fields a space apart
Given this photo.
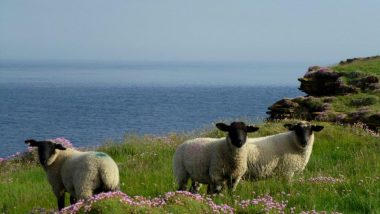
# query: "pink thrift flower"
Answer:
x=2 y=160
x=61 y=140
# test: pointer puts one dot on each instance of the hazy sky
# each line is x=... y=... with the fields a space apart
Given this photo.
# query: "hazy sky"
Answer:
x=192 y=30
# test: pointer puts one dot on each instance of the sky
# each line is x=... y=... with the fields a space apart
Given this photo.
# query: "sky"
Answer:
x=193 y=30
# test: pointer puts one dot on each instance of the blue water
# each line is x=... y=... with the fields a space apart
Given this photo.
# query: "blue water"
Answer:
x=88 y=106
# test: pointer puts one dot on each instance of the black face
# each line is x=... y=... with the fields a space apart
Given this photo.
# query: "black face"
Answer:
x=45 y=149
x=303 y=134
x=303 y=131
x=237 y=132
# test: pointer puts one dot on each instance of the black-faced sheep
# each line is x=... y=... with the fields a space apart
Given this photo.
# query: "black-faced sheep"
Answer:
x=213 y=161
x=82 y=174
x=282 y=154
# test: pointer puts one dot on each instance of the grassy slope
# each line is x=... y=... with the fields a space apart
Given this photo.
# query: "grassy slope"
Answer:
x=365 y=101
x=347 y=103
x=370 y=66
x=145 y=166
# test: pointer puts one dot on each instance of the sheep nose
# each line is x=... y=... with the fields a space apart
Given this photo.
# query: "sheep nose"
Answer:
x=239 y=143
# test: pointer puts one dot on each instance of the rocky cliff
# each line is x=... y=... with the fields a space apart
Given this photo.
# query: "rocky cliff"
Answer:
x=346 y=93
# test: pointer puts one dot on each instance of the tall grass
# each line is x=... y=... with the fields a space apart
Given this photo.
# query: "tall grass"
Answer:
x=343 y=175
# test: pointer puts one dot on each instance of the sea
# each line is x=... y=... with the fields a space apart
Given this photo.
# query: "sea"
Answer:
x=91 y=103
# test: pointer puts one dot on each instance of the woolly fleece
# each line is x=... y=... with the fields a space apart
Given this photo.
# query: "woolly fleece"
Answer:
x=81 y=174
x=209 y=161
x=277 y=155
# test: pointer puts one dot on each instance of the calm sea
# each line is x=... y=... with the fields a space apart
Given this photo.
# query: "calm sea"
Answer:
x=89 y=104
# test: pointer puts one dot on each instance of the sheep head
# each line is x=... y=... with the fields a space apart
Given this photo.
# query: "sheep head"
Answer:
x=46 y=150
x=303 y=130
x=237 y=132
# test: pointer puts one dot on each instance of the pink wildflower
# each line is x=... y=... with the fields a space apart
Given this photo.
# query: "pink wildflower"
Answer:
x=324 y=69
x=268 y=203
x=66 y=143
x=323 y=179
x=365 y=128
x=141 y=201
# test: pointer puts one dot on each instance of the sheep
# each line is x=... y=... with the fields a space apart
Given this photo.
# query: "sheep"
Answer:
x=213 y=161
x=282 y=154
x=81 y=174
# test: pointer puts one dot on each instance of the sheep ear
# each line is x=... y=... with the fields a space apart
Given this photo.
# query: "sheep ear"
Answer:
x=252 y=128
x=317 y=128
x=32 y=143
x=223 y=127
x=290 y=127
x=59 y=146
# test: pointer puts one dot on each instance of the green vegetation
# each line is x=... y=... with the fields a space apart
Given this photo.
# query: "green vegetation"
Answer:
x=346 y=93
x=367 y=66
x=354 y=101
x=364 y=105
x=343 y=175
x=353 y=72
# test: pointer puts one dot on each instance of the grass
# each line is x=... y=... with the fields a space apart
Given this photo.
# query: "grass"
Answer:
x=371 y=66
x=352 y=102
x=342 y=175
x=369 y=99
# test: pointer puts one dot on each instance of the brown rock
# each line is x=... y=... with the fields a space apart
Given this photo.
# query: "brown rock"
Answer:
x=282 y=109
x=359 y=115
x=373 y=122
x=366 y=83
x=324 y=82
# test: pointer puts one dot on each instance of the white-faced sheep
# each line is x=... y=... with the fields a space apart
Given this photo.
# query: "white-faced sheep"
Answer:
x=213 y=161
x=282 y=154
x=82 y=174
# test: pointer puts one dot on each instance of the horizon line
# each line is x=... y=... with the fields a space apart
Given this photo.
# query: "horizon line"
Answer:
x=88 y=63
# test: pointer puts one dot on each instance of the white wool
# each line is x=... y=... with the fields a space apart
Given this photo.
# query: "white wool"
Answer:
x=80 y=173
x=278 y=154
x=210 y=161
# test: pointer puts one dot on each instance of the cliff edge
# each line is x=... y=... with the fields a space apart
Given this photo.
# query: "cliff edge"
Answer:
x=348 y=92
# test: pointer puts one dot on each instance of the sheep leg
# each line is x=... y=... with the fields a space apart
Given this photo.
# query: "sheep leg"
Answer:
x=215 y=187
x=289 y=176
x=182 y=182
x=232 y=183
x=59 y=193
x=210 y=189
x=61 y=202
x=195 y=186
x=73 y=200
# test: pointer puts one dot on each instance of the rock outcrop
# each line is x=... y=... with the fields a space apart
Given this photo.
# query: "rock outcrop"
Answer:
x=325 y=88
x=321 y=81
